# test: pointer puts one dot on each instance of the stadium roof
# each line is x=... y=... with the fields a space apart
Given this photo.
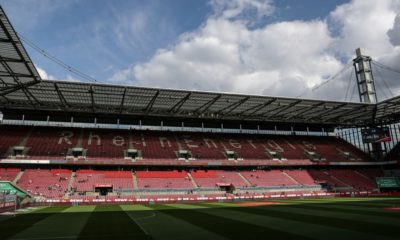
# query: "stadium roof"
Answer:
x=388 y=111
x=16 y=68
x=22 y=89
x=110 y=99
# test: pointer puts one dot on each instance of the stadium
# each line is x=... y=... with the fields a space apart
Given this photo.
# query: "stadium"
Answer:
x=99 y=161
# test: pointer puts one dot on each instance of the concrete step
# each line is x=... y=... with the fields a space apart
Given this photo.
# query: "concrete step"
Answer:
x=70 y=183
x=337 y=179
x=135 y=183
x=245 y=179
x=193 y=181
x=24 y=141
x=19 y=175
x=290 y=177
x=362 y=175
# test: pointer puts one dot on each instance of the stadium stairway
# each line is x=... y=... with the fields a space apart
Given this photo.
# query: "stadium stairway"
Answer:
x=337 y=179
x=180 y=147
x=193 y=181
x=223 y=145
x=70 y=184
x=362 y=175
x=19 y=175
x=244 y=179
x=24 y=141
x=134 y=181
x=291 y=178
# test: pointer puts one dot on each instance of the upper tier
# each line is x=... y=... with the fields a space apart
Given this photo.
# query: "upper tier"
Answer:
x=111 y=145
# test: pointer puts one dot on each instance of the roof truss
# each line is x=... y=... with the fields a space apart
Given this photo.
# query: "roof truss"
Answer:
x=17 y=71
x=77 y=97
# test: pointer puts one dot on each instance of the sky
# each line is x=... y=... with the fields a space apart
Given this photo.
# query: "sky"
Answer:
x=292 y=48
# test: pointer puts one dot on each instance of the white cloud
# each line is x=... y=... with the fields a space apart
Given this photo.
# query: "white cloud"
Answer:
x=71 y=79
x=364 y=23
x=394 y=33
x=282 y=58
x=44 y=75
x=230 y=9
x=121 y=76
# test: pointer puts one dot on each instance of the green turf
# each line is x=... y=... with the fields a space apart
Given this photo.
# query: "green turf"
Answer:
x=331 y=219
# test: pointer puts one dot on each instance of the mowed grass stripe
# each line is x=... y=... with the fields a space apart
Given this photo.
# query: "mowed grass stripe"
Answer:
x=14 y=225
x=375 y=203
x=163 y=226
x=311 y=230
x=111 y=222
x=370 y=201
x=361 y=216
x=226 y=227
x=353 y=208
x=353 y=225
x=66 y=224
x=377 y=206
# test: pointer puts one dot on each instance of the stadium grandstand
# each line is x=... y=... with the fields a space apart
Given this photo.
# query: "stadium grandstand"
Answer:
x=77 y=142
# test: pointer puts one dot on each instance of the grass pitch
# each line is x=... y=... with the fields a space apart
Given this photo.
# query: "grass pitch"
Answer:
x=351 y=218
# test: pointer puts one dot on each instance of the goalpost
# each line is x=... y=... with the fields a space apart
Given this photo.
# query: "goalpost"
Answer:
x=8 y=199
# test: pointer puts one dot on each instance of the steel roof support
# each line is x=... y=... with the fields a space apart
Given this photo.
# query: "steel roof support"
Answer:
x=258 y=107
x=304 y=110
x=14 y=43
x=92 y=97
x=5 y=59
x=233 y=106
x=356 y=113
x=207 y=105
x=151 y=103
x=33 y=96
x=180 y=103
x=28 y=97
x=286 y=107
x=384 y=106
x=121 y=105
x=328 y=110
x=7 y=74
x=337 y=113
x=344 y=113
x=20 y=85
x=61 y=96
x=8 y=100
x=5 y=40
x=16 y=80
